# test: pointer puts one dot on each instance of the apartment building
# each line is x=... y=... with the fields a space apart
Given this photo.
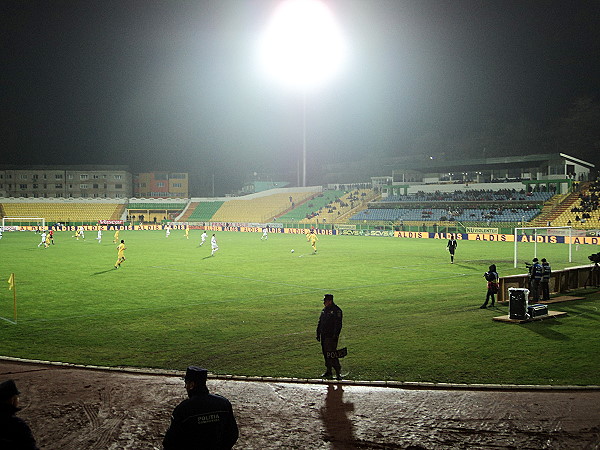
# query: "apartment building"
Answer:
x=85 y=181
x=161 y=185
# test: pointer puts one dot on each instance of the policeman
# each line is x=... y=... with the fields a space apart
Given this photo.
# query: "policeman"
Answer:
x=203 y=420
x=545 y=283
x=535 y=275
x=14 y=432
x=328 y=333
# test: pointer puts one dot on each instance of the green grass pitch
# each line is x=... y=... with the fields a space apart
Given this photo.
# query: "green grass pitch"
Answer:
x=252 y=309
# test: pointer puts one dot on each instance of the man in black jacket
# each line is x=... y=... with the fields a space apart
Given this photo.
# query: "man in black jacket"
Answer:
x=451 y=246
x=545 y=282
x=328 y=332
x=203 y=421
x=14 y=432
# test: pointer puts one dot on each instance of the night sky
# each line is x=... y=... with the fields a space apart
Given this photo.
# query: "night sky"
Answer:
x=175 y=85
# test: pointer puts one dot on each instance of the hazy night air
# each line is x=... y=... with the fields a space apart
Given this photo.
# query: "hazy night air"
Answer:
x=177 y=85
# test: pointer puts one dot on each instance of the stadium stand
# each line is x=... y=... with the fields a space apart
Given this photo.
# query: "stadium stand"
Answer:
x=549 y=211
x=201 y=211
x=154 y=211
x=443 y=215
x=581 y=209
x=474 y=206
x=259 y=209
x=65 y=212
x=311 y=206
x=338 y=210
x=472 y=196
x=158 y=206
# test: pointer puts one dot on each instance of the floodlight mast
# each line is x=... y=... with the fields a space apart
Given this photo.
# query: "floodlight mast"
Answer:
x=304 y=138
x=302 y=47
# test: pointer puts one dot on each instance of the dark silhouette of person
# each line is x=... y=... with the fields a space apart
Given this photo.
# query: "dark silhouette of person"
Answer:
x=491 y=277
x=204 y=420
x=535 y=278
x=334 y=414
x=14 y=432
x=451 y=245
x=545 y=281
x=328 y=333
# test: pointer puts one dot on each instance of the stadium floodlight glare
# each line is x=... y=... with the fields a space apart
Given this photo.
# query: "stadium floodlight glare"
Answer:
x=302 y=47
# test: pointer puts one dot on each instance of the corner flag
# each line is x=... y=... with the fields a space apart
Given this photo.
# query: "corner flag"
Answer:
x=11 y=282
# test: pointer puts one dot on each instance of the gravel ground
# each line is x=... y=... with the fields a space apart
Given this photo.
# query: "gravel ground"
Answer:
x=77 y=408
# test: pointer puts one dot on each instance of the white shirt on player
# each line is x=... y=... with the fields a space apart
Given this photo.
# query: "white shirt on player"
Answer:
x=213 y=244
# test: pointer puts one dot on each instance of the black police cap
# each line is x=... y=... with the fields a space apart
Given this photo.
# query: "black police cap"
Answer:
x=8 y=389
x=195 y=373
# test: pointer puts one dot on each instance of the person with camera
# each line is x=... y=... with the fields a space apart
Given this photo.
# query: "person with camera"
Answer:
x=535 y=278
x=545 y=282
x=492 y=278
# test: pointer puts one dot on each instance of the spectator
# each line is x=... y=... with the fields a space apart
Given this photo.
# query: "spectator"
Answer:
x=14 y=432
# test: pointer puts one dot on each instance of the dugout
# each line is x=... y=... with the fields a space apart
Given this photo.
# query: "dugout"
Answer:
x=561 y=281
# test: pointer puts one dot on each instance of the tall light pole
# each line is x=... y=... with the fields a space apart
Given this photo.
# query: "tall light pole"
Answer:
x=304 y=138
x=302 y=47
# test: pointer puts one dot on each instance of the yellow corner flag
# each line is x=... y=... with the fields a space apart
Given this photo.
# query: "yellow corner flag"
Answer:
x=11 y=282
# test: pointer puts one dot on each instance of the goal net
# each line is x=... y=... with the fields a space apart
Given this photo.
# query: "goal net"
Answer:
x=528 y=238
x=15 y=223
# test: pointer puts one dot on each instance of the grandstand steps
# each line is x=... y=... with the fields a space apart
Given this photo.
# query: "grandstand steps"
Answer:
x=304 y=201
x=334 y=212
x=553 y=209
x=120 y=211
x=569 y=217
x=373 y=197
x=344 y=217
x=187 y=212
x=296 y=205
x=566 y=205
x=547 y=213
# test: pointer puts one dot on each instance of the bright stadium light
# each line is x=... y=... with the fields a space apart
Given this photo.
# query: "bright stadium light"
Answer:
x=302 y=47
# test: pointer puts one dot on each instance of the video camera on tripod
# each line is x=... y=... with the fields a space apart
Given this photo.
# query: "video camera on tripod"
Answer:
x=594 y=276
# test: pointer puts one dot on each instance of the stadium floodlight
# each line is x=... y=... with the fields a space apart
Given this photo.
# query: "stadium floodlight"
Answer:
x=302 y=47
